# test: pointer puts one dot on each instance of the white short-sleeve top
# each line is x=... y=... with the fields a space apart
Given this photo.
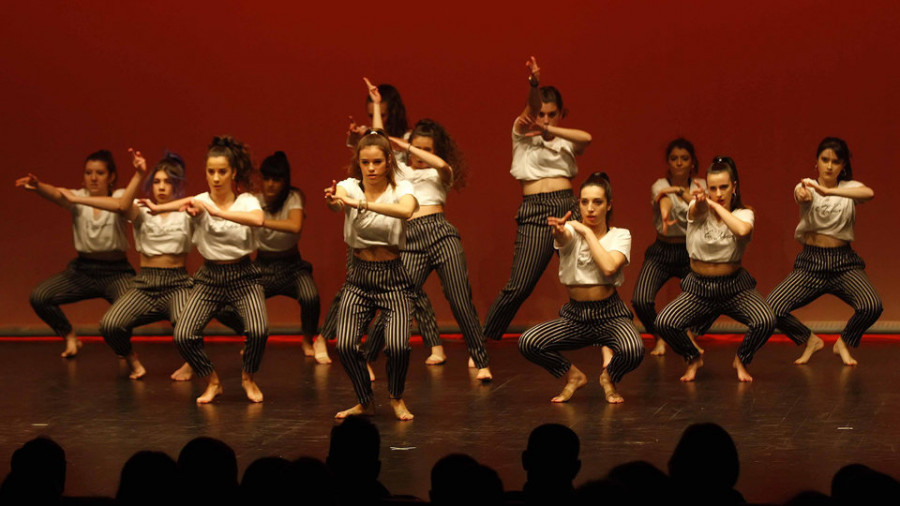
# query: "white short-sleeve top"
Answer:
x=367 y=228
x=710 y=240
x=162 y=234
x=219 y=239
x=577 y=266
x=101 y=233
x=535 y=158
x=832 y=216
x=276 y=240
x=428 y=187
x=679 y=207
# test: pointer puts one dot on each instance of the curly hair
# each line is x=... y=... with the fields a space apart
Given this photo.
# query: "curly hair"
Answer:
x=238 y=155
x=444 y=147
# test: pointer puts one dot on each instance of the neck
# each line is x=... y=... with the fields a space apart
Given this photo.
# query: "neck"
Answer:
x=827 y=183
x=225 y=196
x=599 y=229
x=680 y=181
x=378 y=187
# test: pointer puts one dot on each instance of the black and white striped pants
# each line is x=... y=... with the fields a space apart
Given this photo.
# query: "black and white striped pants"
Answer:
x=817 y=271
x=704 y=297
x=158 y=294
x=662 y=262
x=217 y=286
x=533 y=251
x=606 y=322
x=292 y=277
x=433 y=244
x=83 y=279
x=373 y=286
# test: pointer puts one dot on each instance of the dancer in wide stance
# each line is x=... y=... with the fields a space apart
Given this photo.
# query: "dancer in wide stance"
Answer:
x=376 y=206
x=827 y=263
x=544 y=163
x=667 y=257
x=100 y=270
x=719 y=229
x=591 y=258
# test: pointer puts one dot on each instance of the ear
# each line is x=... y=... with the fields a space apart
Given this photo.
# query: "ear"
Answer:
x=564 y=113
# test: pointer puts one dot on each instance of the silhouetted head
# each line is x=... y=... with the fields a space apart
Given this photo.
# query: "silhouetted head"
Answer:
x=37 y=474
x=705 y=457
x=148 y=478
x=354 y=449
x=207 y=468
x=858 y=484
x=552 y=454
x=262 y=480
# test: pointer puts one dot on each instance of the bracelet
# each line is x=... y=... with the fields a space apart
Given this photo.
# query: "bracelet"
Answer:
x=533 y=82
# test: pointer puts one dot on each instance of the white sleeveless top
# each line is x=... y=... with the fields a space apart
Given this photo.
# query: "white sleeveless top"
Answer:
x=159 y=234
x=105 y=232
x=364 y=229
x=220 y=239
x=832 y=216
x=428 y=187
x=710 y=240
x=534 y=158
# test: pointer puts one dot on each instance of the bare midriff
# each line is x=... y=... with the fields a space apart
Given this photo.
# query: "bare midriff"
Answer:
x=822 y=241
x=105 y=256
x=587 y=293
x=546 y=185
x=166 y=261
x=678 y=239
x=377 y=253
x=426 y=210
x=714 y=269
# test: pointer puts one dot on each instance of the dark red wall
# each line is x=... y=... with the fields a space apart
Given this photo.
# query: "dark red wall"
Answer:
x=761 y=81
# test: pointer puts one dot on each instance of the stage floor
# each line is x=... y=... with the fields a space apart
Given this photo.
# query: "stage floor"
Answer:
x=794 y=426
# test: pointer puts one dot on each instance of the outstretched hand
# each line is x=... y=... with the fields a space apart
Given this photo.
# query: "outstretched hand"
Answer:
x=667 y=220
x=29 y=182
x=534 y=76
x=558 y=224
x=803 y=194
x=138 y=160
x=331 y=197
x=374 y=94
x=356 y=129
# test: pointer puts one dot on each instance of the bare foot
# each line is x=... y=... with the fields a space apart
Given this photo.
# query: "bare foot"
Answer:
x=607 y=353
x=471 y=363
x=308 y=350
x=73 y=344
x=212 y=391
x=401 y=411
x=484 y=375
x=251 y=388
x=691 y=373
x=438 y=357
x=660 y=348
x=371 y=371
x=183 y=373
x=575 y=379
x=321 y=350
x=693 y=339
x=609 y=389
x=813 y=344
x=137 y=369
x=742 y=374
x=841 y=349
x=359 y=409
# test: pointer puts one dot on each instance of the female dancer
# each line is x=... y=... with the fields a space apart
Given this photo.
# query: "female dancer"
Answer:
x=432 y=243
x=163 y=240
x=284 y=272
x=544 y=162
x=101 y=269
x=591 y=257
x=376 y=206
x=719 y=229
x=223 y=218
x=827 y=263
x=667 y=257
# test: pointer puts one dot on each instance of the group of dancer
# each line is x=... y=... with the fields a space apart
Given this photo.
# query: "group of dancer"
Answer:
x=397 y=234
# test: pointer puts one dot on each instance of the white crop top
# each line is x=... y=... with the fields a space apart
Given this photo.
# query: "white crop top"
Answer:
x=168 y=234
x=275 y=240
x=832 y=216
x=577 y=266
x=220 y=239
x=534 y=158
x=428 y=187
x=679 y=207
x=104 y=233
x=368 y=228
x=710 y=240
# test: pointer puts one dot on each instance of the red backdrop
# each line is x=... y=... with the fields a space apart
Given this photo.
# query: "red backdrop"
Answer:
x=763 y=82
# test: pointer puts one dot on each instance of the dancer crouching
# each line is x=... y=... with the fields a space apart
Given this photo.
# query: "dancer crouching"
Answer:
x=719 y=229
x=591 y=257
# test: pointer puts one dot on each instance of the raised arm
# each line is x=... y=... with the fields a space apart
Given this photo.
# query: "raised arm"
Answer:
x=609 y=262
x=53 y=194
x=862 y=193
x=558 y=229
x=377 y=121
x=334 y=197
x=431 y=159
x=533 y=105
x=737 y=226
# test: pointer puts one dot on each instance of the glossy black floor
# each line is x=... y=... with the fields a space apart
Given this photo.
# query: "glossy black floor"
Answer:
x=794 y=426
